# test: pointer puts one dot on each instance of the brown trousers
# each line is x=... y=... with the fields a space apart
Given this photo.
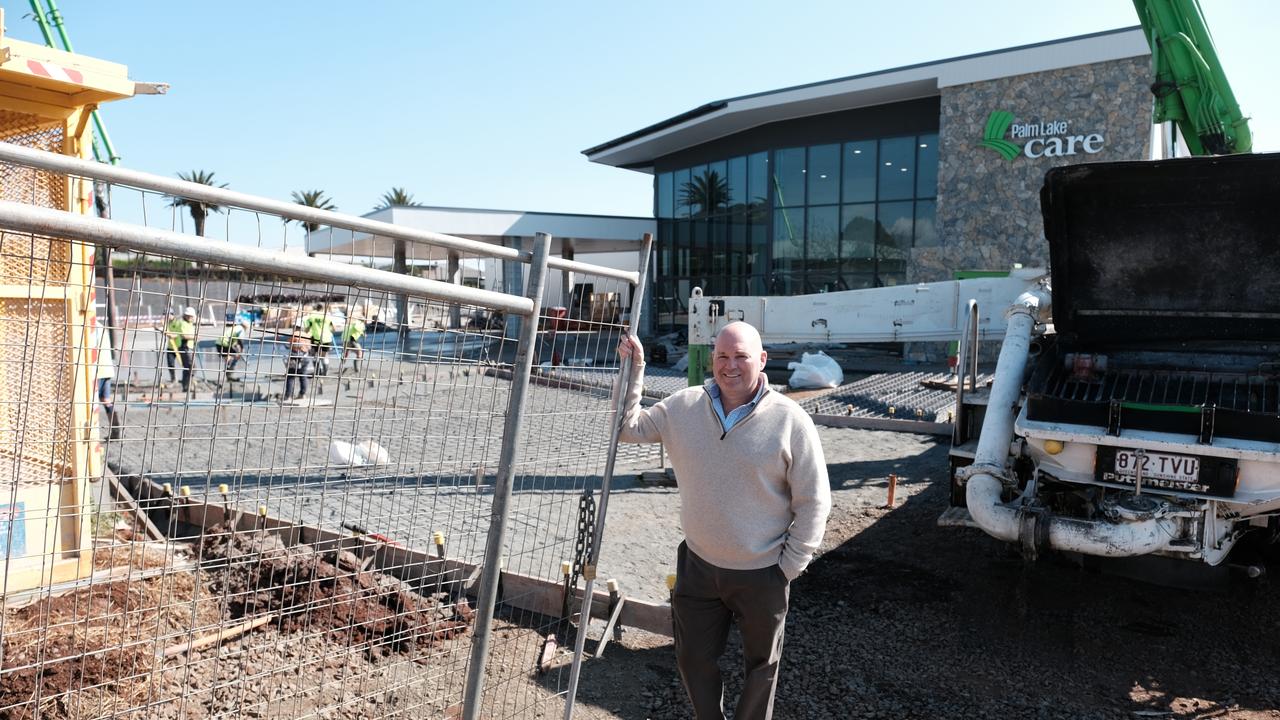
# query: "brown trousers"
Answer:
x=706 y=599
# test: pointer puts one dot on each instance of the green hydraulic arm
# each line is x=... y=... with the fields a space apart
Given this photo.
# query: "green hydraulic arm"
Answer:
x=1190 y=87
x=44 y=18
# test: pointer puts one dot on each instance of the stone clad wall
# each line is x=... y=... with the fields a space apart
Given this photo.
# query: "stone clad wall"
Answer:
x=989 y=207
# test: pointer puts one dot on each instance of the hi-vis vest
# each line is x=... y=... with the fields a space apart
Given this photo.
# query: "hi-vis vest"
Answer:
x=319 y=328
x=353 y=331
x=231 y=336
x=181 y=332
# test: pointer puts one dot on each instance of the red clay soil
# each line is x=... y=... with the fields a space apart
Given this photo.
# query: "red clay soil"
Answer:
x=309 y=590
x=102 y=639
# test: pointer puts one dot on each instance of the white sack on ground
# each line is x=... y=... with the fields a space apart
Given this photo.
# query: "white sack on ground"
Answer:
x=815 y=370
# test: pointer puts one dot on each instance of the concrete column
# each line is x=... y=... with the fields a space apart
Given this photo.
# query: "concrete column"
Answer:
x=400 y=264
x=512 y=284
x=455 y=276
x=566 y=285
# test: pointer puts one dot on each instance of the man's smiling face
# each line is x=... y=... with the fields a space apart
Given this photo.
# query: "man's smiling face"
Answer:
x=737 y=361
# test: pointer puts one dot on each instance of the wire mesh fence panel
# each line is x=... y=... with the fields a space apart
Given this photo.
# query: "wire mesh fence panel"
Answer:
x=556 y=494
x=287 y=482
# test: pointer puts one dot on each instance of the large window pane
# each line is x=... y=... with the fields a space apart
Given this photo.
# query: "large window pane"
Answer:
x=824 y=174
x=699 y=258
x=758 y=181
x=823 y=230
x=893 y=240
x=665 y=207
x=738 y=230
x=684 y=235
x=897 y=168
x=712 y=190
x=738 y=250
x=719 y=228
x=859 y=172
x=717 y=191
x=824 y=237
x=694 y=193
x=680 y=179
x=758 y=250
x=926 y=223
x=927 y=166
x=788 y=177
x=666 y=247
x=737 y=182
x=788 y=240
x=858 y=238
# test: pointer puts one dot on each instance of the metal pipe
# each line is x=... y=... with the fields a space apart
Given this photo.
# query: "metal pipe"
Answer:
x=593 y=552
x=521 y=368
x=17 y=217
x=37 y=11
x=221 y=196
x=400 y=265
x=973 y=349
x=959 y=428
x=983 y=491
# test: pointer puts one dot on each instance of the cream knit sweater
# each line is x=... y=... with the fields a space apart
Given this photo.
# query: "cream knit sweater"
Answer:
x=751 y=497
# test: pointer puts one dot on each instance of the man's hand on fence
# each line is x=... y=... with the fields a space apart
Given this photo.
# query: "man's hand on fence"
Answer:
x=629 y=347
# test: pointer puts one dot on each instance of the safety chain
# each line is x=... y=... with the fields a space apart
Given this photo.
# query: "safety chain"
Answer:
x=586 y=531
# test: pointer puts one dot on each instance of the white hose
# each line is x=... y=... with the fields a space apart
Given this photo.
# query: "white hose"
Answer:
x=984 y=488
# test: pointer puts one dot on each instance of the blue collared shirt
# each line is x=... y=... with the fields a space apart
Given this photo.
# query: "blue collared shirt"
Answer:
x=728 y=421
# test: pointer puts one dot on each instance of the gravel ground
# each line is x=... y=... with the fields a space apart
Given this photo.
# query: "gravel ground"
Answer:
x=896 y=618
x=900 y=619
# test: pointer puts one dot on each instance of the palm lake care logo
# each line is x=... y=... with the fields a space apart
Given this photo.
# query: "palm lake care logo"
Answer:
x=1038 y=139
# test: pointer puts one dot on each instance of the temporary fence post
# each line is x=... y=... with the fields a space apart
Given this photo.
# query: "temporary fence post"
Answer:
x=454 y=278
x=400 y=264
x=593 y=552
x=492 y=570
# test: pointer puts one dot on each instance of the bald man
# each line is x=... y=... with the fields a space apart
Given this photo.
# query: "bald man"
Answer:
x=754 y=499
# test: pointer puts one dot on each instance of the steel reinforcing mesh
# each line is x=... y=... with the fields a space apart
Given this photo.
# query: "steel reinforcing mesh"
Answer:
x=313 y=514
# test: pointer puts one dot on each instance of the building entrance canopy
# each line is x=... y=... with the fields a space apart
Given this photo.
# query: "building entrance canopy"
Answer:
x=571 y=234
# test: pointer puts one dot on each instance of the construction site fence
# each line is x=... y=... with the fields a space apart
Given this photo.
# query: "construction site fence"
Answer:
x=289 y=505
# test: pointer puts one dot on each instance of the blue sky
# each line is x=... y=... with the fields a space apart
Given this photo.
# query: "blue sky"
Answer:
x=490 y=104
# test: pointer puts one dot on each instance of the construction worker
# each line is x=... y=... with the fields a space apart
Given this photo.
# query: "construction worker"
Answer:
x=181 y=346
x=231 y=345
x=319 y=327
x=298 y=363
x=351 y=335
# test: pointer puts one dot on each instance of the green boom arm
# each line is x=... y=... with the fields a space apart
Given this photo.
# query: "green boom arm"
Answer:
x=1190 y=87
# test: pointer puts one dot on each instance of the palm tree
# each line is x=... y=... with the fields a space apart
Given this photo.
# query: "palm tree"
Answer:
x=313 y=199
x=397 y=197
x=198 y=208
x=706 y=193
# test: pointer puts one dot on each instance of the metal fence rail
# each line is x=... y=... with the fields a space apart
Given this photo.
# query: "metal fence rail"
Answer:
x=389 y=544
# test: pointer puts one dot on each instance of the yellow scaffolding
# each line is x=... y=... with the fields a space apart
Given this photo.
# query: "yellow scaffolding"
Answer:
x=49 y=445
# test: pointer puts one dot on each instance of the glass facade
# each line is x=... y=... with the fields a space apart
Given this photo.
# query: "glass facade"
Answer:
x=794 y=220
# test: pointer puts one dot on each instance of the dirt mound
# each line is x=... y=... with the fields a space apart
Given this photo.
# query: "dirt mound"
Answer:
x=101 y=650
x=92 y=651
x=309 y=589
